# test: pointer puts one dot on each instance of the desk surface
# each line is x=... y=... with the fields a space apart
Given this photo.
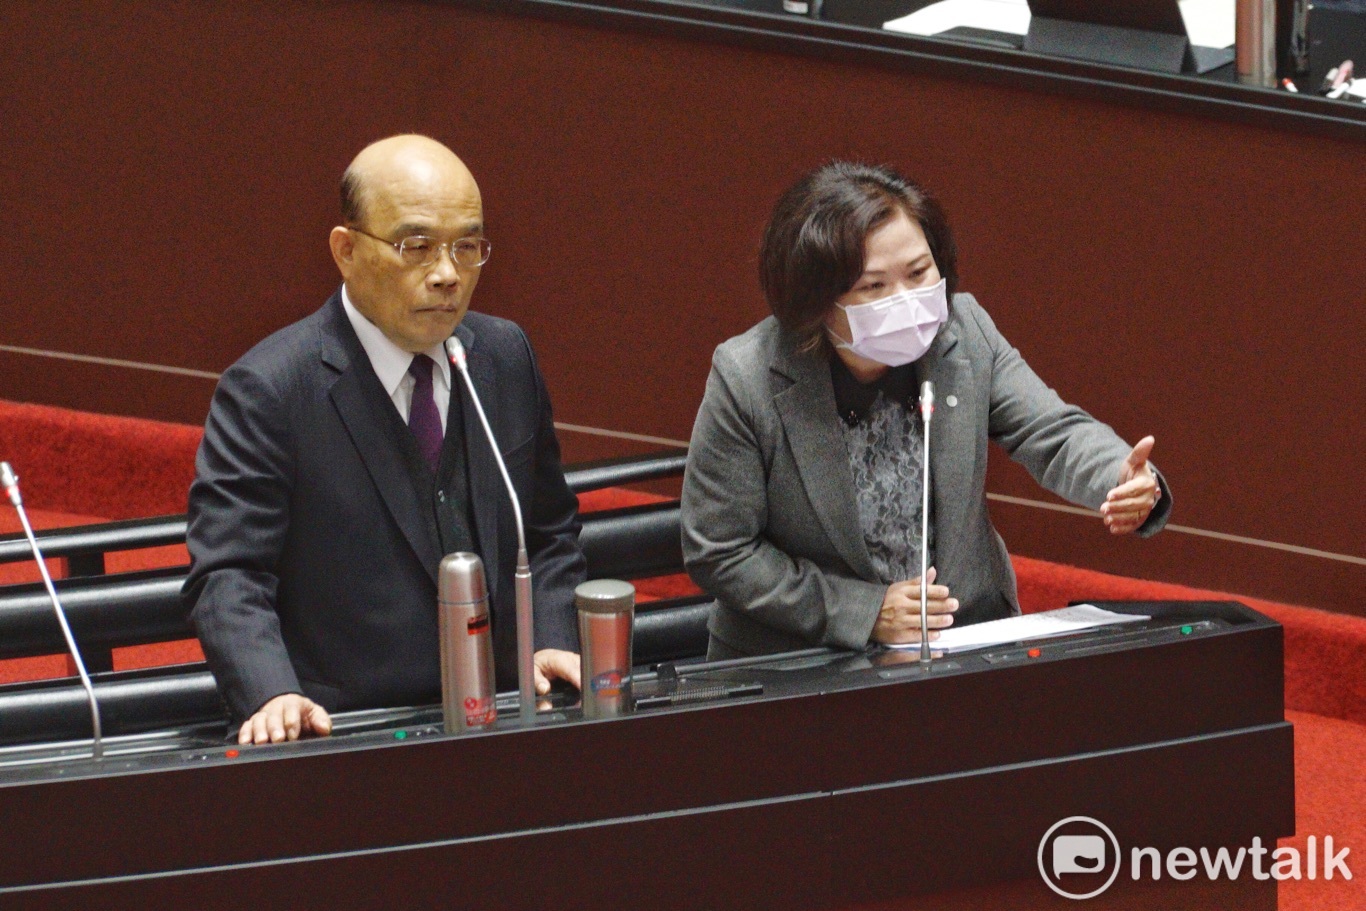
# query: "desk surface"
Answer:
x=1159 y=731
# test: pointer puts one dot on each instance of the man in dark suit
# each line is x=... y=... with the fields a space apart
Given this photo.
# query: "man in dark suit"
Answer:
x=342 y=457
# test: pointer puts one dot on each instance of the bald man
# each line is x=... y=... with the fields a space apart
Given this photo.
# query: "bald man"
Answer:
x=342 y=459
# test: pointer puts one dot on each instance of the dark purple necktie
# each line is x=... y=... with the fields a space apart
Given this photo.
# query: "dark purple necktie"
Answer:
x=423 y=418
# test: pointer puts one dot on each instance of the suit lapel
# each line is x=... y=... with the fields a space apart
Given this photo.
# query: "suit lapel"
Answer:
x=486 y=481
x=953 y=441
x=368 y=414
x=807 y=410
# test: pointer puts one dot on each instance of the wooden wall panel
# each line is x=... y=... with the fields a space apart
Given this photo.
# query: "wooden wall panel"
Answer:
x=171 y=174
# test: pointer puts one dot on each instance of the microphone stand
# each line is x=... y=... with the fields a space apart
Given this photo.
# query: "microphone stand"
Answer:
x=926 y=410
x=526 y=662
x=11 y=484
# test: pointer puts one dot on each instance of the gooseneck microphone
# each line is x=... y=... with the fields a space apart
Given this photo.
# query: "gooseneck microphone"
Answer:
x=926 y=411
x=526 y=666
x=11 y=485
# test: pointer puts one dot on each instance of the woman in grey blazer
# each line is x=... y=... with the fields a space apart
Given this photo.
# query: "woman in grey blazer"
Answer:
x=802 y=498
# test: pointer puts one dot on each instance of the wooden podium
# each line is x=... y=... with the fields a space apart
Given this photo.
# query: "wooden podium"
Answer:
x=854 y=780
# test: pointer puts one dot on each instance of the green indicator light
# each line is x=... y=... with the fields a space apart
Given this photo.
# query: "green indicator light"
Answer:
x=403 y=735
x=1186 y=630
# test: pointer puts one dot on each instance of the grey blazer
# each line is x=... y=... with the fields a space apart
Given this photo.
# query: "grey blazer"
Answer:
x=770 y=516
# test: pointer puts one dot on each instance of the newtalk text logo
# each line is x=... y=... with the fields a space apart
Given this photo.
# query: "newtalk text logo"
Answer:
x=1079 y=857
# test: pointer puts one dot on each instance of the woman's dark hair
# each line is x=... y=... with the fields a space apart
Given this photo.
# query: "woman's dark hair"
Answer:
x=812 y=250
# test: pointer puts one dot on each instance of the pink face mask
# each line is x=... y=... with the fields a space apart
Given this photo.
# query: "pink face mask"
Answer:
x=896 y=329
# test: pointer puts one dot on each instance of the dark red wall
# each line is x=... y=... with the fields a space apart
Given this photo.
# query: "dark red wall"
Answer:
x=170 y=175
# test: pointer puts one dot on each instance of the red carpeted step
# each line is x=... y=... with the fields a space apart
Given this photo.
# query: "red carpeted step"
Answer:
x=126 y=561
x=616 y=498
x=1330 y=799
x=116 y=467
x=659 y=587
x=185 y=651
x=40 y=667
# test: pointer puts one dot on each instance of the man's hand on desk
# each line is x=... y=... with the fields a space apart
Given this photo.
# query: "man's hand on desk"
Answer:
x=899 y=619
x=288 y=716
x=555 y=664
x=285 y=718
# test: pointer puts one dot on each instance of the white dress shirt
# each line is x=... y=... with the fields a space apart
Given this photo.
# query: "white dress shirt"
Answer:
x=391 y=364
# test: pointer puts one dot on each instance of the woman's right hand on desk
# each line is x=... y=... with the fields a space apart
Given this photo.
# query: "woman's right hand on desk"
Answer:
x=899 y=619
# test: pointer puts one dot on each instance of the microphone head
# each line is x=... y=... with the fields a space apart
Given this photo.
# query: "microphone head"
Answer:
x=10 y=482
x=456 y=352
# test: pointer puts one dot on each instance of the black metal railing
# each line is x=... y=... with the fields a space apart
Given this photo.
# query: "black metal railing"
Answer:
x=113 y=610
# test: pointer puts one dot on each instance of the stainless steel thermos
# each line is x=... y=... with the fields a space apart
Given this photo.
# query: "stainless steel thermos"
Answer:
x=466 y=641
x=606 y=613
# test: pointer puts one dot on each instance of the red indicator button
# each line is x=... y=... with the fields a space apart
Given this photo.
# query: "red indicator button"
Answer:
x=231 y=754
x=1033 y=653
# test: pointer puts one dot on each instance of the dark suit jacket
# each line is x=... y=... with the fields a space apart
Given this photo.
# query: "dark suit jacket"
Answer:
x=314 y=557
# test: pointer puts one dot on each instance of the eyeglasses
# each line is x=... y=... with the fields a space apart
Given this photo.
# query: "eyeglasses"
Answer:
x=419 y=251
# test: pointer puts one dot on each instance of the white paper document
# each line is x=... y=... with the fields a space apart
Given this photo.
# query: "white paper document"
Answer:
x=1010 y=16
x=1025 y=627
x=1208 y=22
